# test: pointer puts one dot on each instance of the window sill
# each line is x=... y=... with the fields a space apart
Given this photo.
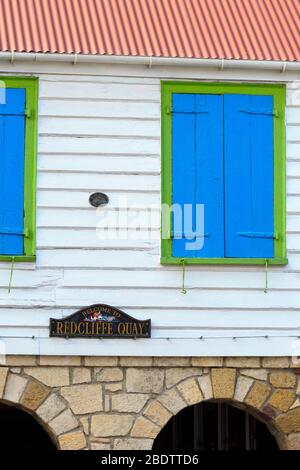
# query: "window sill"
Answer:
x=225 y=261
x=17 y=259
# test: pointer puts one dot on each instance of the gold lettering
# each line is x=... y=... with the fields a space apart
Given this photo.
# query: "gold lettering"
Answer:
x=109 y=329
x=98 y=325
x=81 y=328
x=141 y=326
x=67 y=328
x=73 y=328
x=134 y=329
x=59 y=328
x=121 y=329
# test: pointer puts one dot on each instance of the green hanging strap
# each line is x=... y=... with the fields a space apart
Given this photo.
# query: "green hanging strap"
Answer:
x=11 y=274
x=183 y=289
x=266 y=278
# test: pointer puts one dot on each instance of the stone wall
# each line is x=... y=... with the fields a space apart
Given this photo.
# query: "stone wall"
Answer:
x=123 y=403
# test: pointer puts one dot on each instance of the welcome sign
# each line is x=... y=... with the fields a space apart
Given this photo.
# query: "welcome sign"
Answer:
x=100 y=321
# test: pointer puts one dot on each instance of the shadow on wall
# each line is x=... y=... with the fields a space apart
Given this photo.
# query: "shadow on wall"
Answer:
x=19 y=431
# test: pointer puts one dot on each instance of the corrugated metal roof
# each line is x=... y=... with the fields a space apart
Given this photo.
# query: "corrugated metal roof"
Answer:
x=222 y=29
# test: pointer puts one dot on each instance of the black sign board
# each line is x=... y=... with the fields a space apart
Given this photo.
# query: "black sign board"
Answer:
x=100 y=321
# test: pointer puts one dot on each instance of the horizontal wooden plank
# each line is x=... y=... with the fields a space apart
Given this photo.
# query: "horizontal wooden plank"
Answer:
x=293 y=133
x=99 y=163
x=293 y=241
x=293 y=150
x=100 y=218
x=293 y=223
x=99 y=145
x=293 y=168
x=92 y=238
x=293 y=186
x=93 y=91
x=97 y=182
x=174 y=298
x=105 y=108
x=99 y=127
x=172 y=279
x=293 y=203
x=167 y=318
x=293 y=115
x=158 y=347
x=30 y=279
x=80 y=198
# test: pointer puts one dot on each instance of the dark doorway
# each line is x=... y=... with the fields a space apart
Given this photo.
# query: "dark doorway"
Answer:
x=20 y=431
x=214 y=426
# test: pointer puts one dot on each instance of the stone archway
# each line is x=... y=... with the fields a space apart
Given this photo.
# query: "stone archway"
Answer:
x=256 y=396
x=49 y=409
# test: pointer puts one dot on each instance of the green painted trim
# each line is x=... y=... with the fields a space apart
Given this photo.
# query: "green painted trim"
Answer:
x=17 y=259
x=255 y=261
x=279 y=95
x=31 y=86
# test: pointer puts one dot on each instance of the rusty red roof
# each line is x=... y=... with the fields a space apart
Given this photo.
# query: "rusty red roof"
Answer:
x=213 y=29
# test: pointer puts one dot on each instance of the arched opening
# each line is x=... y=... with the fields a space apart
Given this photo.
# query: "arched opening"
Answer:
x=20 y=431
x=215 y=426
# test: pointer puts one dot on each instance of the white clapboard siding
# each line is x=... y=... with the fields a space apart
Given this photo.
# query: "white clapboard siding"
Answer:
x=33 y=279
x=293 y=241
x=293 y=133
x=101 y=132
x=171 y=318
x=100 y=164
x=79 y=199
x=172 y=279
x=293 y=114
x=174 y=298
x=118 y=109
x=293 y=223
x=94 y=91
x=95 y=238
x=97 y=127
x=84 y=181
x=99 y=145
x=293 y=185
x=293 y=203
x=293 y=150
x=101 y=217
x=293 y=167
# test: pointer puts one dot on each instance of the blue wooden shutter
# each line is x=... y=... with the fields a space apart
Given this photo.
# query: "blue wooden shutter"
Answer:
x=12 y=148
x=249 y=176
x=197 y=171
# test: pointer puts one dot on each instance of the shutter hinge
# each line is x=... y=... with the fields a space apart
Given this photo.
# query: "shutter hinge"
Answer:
x=7 y=231
x=168 y=109
x=248 y=111
x=275 y=236
x=192 y=235
x=28 y=113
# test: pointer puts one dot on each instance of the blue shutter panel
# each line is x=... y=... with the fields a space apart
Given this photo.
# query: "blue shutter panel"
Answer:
x=12 y=148
x=183 y=167
x=249 y=176
x=197 y=172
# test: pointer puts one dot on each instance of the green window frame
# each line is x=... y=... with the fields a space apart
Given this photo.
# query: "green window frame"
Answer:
x=30 y=85
x=278 y=91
